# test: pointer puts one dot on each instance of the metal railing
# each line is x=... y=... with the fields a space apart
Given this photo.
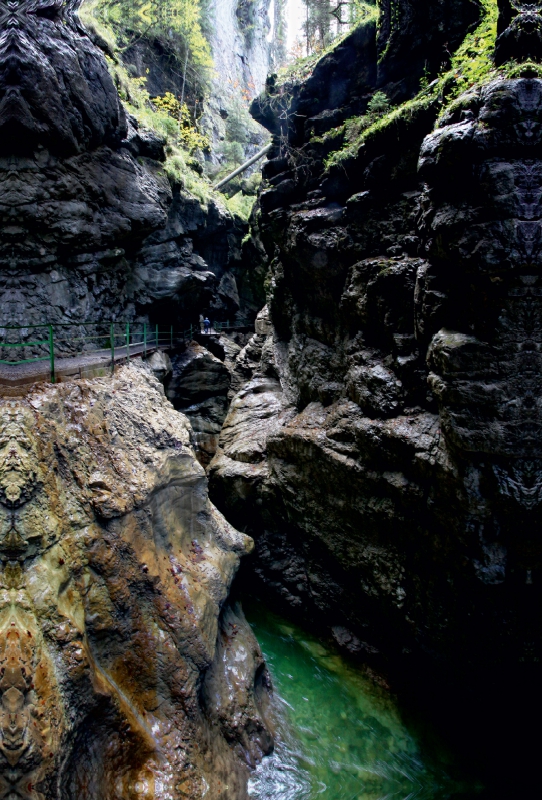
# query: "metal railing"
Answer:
x=119 y=339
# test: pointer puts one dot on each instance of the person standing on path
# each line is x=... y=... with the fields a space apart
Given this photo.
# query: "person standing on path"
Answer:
x=207 y=324
x=201 y=323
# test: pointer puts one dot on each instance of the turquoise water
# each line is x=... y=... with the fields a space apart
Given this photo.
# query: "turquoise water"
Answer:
x=339 y=736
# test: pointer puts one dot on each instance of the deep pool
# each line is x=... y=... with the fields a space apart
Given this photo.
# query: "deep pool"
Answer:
x=339 y=736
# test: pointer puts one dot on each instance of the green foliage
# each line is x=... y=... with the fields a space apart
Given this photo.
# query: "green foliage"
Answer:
x=177 y=23
x=363 y=10
x=177 y=26
x=240 y=129
x=325 y=20
x=278 y=45
x=189 y=136
x=471 y=65
x=169 y=104
x=302 y=67
x=405 y=112
x=181 y=173
x=348 y=134
x=424 y=80
x=246 y=13
x=395 y=116
x=241 y=205
x=179 y=167
x=238 y=123
x=234 y=155
x=527 y=69
x=377 y=106
x=317 y=28
x=251 y=184
x=241 y=202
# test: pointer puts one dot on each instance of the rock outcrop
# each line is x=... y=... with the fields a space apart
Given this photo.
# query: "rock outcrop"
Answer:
x=199 y=388
x=519 y=32
x=385 y=452
x=91 y=228
x=116 y=642
x=123 y=671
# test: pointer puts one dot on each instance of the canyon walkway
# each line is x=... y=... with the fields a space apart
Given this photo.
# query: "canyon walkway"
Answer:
x=55 y=353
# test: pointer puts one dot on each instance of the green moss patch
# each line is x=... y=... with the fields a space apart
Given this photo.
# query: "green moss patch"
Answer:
x=471 y=65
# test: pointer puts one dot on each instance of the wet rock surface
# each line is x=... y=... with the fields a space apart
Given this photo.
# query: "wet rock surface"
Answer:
x=113 y=623
x=384 y=452
x=199 y=387
x=377 y=435
x=91 y=227
x=123 y=671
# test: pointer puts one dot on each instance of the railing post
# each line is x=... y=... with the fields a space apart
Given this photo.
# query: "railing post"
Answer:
x=157 y=336
x=171 y=337
x=52 y=353
x=112 y=340
x=128 y=342
x=145 y=340
x=190 y=331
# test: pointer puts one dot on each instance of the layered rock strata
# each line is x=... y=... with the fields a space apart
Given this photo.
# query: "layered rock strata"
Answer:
x=116 y=644
x=91 y=228
x=385 y=452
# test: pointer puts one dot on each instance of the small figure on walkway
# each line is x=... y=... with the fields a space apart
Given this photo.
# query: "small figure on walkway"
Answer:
x=201 y=322
x=207 y=324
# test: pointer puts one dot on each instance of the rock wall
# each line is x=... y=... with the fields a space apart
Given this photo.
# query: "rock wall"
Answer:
x=238 y=32
x=241 y=44
x=384 y=452
x=91 y=228
x=116 y=643
x=239 y=41
x=116 y=639
x=199 y=386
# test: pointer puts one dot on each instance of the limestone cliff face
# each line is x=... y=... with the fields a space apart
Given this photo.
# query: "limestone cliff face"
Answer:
x=115 y=639
x=90 y=226
x=385 y=452
x=239 y=41
x=240 y=38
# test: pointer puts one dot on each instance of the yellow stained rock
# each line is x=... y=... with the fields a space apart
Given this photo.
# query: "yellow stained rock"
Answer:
x=114 y=570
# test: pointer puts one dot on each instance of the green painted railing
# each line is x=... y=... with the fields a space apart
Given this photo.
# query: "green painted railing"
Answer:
x=123 y=338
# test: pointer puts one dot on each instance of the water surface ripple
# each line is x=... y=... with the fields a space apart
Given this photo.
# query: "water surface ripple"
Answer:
x=339 y=735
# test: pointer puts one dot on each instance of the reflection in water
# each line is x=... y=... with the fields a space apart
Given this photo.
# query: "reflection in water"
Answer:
x=338 y=735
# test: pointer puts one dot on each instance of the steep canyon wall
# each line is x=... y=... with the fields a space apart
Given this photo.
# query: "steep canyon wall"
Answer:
x=123 y=670
x=382 y=442
x=92 y=228
x=115 y=645
x=385 y=451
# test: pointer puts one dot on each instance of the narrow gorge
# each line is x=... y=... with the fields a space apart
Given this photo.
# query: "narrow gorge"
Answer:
x=310 y=398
